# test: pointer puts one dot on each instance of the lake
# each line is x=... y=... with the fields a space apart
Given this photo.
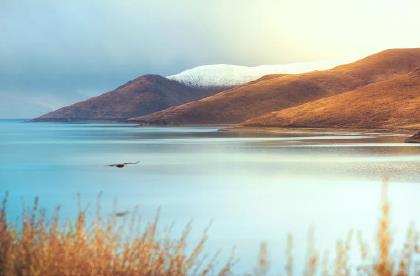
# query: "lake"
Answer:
x=252 y=186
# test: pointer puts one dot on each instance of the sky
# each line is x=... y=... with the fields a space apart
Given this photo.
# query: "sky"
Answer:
x=56 y=52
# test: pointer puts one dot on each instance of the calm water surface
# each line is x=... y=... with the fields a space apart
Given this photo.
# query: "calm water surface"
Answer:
x=253 y=187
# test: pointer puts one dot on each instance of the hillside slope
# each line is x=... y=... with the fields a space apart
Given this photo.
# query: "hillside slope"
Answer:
x=143 y=95
x=275 y=93
x=393 y=103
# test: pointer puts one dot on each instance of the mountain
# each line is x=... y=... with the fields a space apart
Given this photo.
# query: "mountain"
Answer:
x=393 y=103
x=279 y=92
x=226 y=75
x=143 y=95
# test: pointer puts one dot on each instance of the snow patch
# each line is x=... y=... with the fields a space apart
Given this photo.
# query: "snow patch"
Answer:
x=231 y=75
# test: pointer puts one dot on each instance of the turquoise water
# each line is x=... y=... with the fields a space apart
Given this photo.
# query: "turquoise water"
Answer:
x=252 y=186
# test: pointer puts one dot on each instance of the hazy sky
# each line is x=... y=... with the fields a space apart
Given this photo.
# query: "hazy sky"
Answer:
x=54 y=52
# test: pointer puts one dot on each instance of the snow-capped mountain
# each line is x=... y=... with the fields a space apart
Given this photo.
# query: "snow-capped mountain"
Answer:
x=231 y=75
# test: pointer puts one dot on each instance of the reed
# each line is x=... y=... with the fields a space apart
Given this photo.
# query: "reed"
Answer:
x=41 y=245
x=44 y=247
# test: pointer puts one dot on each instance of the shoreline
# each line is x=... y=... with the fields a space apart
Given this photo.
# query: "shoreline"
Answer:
x=400 y=132
x=404 y=132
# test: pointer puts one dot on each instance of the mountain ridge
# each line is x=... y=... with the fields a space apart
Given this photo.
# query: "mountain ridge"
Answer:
x=292 y=100
x=268 y=95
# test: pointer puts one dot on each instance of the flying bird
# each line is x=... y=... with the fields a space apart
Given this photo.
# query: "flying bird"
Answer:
x=121 y=214
x=122 y=165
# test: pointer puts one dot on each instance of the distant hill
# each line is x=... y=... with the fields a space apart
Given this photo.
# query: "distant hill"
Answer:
x=284 y=91
x=393 y=103
x=143 y=95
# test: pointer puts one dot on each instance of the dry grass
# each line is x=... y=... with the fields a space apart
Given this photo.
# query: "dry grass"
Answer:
x=385 y=260
x=41 y=246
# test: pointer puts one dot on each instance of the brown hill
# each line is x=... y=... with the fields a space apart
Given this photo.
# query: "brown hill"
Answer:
x=393 y=103
x=144 y=95
x=284 y=91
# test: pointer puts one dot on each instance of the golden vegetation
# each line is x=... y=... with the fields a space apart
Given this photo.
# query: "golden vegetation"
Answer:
x=41 y=246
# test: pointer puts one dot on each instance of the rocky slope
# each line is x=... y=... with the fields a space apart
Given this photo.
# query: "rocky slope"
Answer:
x=144 y=95
x=284 y=91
